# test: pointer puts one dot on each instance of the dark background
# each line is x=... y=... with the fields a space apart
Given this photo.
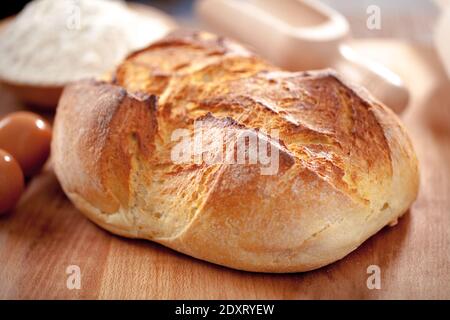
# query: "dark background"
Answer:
x=175 y=7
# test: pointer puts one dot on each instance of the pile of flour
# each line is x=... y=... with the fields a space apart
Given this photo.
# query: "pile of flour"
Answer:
x=52 y=42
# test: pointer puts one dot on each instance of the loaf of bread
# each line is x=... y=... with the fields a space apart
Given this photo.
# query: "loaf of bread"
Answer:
x=342 y=165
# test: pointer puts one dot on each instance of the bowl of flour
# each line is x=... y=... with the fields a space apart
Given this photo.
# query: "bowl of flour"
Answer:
x=53 y=42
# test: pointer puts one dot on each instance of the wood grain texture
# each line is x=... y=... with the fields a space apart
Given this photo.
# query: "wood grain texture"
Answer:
x=45 y=234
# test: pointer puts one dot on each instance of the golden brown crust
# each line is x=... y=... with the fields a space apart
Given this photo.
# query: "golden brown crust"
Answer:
x=101 y=141
x=346 y=166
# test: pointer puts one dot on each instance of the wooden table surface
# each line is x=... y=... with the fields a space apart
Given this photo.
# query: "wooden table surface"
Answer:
x=46 y=233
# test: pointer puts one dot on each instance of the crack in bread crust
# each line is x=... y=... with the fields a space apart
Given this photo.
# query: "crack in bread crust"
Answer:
x=322 y=122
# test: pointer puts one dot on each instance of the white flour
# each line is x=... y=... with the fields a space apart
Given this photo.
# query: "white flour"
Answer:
x=52 y=42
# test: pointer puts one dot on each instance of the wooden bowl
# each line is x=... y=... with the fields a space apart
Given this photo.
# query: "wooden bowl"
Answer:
x=45 y=96
x=42 y=97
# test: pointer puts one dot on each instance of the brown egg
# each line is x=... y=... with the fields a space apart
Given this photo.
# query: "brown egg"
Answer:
x=26 y=136
x=11 y=182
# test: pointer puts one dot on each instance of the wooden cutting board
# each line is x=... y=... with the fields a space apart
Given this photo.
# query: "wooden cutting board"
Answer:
x=46 y=234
